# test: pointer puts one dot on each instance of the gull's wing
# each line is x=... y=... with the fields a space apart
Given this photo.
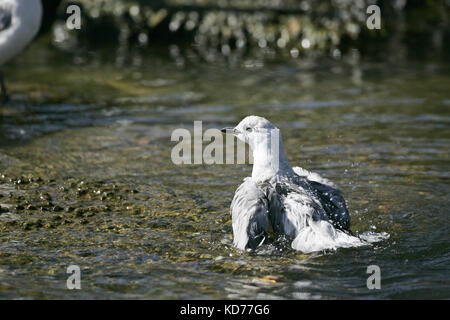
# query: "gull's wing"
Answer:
x=303 y=210
x=250 y=216
x=330 y=197
x=5 y=16
x=334 y=204
x=312 y=176
x=291 y=206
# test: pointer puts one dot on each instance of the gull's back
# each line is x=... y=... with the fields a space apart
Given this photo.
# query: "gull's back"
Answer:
x=297 y=201
x=291 y=207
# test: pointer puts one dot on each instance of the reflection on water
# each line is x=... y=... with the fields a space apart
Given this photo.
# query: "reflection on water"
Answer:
x=85 y=150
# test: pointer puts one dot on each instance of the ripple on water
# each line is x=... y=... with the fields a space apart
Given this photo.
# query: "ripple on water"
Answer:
x=142 y=227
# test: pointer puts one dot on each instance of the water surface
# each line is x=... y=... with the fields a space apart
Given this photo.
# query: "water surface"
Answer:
x=88 y=180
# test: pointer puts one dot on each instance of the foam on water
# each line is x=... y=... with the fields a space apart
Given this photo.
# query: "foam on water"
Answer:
x=373 y=237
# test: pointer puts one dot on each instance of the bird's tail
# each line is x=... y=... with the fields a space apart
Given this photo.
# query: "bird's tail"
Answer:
x=321 y=235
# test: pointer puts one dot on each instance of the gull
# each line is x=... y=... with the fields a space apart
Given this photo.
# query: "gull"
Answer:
x=280 y=201
x=19 y=23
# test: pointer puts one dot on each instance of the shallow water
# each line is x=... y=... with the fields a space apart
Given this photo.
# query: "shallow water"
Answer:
x=88 y=180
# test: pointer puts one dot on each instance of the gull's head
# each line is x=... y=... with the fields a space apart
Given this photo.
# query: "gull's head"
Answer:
x=252 y=130
x=267 y=146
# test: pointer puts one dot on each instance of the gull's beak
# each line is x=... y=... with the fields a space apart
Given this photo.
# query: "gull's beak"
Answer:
x=230 y=130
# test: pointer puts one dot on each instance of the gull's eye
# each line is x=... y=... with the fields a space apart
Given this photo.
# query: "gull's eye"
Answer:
x=249 y=129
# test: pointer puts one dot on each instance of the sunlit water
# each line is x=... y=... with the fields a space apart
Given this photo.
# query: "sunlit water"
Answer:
x=96 y=128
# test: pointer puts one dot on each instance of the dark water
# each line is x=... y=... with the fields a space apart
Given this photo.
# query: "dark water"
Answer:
x=91 y=131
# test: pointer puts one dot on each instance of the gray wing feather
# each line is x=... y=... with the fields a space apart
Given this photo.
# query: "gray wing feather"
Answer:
x=250 y=216
x=291 y=207
x=330 y=198
x=334 y=205
x=313 y=176
x=5 y=17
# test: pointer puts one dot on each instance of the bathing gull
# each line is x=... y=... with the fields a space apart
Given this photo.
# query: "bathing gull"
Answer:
x=19 y=23
x=278 y=200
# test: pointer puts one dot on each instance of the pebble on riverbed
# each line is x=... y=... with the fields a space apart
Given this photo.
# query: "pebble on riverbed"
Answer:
x=38 y=204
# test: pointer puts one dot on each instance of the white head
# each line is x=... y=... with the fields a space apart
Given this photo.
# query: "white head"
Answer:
x=264 y=138
x=252 y=130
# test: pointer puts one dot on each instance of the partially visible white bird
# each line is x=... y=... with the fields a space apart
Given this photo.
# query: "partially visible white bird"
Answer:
x=278 y=200
x=20 y=21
